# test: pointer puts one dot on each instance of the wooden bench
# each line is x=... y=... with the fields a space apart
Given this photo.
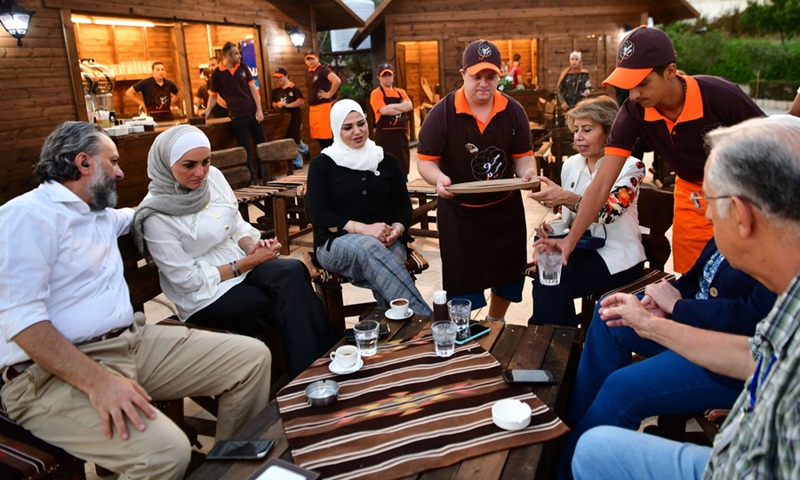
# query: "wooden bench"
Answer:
x=427 y=201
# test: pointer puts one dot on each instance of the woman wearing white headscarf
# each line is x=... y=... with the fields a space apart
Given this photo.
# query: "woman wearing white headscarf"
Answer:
x=360 y=210
x=212 y=264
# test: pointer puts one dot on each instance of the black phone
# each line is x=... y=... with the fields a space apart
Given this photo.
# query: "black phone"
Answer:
x=475 y=330
x=350 y=335
x=240 y=449
x=528 y=376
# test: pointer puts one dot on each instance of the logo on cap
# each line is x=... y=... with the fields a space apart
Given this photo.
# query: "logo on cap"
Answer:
x=626 y=51
x=484 y=51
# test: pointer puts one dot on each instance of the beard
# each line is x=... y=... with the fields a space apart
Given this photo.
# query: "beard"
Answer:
x=102 y=190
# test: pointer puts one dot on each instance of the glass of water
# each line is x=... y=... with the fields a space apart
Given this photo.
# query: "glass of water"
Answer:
x=367 y=337
x=549 y=266
x=444 y=337
x=460 y=310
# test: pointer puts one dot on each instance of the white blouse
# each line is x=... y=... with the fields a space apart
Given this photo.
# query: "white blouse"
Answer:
x=188 y=249
x=620 y=216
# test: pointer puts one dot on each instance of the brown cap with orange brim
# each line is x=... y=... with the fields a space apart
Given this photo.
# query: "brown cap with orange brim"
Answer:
x=642 y=50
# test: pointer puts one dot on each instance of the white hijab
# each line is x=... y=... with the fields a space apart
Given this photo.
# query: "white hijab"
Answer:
x=362 y=159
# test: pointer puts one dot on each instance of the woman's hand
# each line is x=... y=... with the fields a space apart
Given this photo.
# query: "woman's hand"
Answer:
x=544 y=230
x=265 y=250
x=394 y=234
x=378 y=230
x=551 y=194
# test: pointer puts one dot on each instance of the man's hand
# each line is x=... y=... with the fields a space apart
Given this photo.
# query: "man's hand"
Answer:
x=622 y=309
x=441 y=183
x=115 y=397
x=664 y=295
x=259 y=116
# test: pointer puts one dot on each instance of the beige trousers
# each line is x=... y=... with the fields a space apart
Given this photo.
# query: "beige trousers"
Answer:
x=169 y=363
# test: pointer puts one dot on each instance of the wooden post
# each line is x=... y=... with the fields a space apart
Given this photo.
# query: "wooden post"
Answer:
x=73 y=61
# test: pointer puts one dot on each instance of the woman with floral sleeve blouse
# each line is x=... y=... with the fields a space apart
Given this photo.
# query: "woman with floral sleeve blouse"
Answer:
x=621 y=259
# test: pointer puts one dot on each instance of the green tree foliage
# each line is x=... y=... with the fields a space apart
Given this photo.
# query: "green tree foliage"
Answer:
x=780 y=17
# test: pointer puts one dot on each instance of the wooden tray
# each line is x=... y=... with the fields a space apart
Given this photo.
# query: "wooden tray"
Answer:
x=489 y=186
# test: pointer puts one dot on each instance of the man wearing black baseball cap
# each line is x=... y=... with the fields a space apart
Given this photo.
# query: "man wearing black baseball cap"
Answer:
x=322 y=85
x=288 y=97
x=478 y=133
x=672 y=113
x=390 y=106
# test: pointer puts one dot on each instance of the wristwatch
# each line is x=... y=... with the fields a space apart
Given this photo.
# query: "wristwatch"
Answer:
x=235 y=269
x=577 y=204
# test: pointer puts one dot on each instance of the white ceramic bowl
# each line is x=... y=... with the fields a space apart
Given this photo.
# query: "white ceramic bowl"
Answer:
x=510 y=414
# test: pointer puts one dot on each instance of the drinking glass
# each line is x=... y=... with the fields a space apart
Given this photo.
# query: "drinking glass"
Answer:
x=444 y=337
x=549 y=266
x=367 y=337
x=460 y=310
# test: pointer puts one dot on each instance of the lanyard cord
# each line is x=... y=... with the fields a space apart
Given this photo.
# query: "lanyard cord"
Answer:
x=754 y=384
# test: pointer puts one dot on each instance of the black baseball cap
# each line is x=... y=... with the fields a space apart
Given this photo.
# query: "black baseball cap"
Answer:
x=280 y=72
x=481 y=55
x=639 y=53
x=311 y=54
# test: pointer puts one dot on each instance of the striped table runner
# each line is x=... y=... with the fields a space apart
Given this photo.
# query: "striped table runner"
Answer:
x=406 y=411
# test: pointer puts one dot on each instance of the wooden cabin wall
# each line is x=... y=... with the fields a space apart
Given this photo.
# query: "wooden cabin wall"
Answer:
x=36 y=79
x=557 y=26
x=421 y=61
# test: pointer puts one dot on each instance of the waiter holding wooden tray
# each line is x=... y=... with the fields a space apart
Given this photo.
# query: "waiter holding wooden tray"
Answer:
x=479 y=134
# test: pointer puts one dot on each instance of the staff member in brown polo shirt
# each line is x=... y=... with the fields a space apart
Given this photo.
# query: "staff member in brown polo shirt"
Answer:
x=391 y=122
x=672 y=113
x=157 y=94
x=478 y=133
x=322 y=85
x=233 y=81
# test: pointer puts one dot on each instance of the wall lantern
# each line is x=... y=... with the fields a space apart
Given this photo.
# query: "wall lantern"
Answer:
x=297 y=37
x=15 y=19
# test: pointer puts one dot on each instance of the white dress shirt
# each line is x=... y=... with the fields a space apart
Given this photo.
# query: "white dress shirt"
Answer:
x=623 y=248
x=188 y=249
x=59 y=261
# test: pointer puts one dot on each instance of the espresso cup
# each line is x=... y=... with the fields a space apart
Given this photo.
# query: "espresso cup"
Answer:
x=399 y=307
x=559 y=226
x=345 y=356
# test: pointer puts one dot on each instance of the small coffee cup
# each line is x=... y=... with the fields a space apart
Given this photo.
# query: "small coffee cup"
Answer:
x=345 y=356
x=558 y=226
x=399 y=307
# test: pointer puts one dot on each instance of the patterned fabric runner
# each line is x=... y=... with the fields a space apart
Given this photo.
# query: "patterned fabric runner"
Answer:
x=406 y=411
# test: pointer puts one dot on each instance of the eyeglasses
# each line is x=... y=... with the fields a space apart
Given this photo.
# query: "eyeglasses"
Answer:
x=700 y=200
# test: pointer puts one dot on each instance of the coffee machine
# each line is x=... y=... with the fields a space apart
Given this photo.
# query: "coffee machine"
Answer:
x=98 y=87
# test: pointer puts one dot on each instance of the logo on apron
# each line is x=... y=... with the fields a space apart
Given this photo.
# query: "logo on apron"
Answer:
x=489 y=164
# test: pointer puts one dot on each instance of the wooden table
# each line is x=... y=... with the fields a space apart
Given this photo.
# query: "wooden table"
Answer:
x=551 y=348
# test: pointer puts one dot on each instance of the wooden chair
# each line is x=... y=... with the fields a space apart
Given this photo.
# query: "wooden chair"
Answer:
x=232 y=162
x=276 y=151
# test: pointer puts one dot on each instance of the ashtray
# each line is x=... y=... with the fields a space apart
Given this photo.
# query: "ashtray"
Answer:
x=322 y=393
x=510 y=414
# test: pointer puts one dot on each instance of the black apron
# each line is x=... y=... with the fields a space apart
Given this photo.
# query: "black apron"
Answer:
x=391 y=134
x=482 y=236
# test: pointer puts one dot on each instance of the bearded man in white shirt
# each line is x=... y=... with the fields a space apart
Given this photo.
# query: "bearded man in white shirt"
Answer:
x=78 y=370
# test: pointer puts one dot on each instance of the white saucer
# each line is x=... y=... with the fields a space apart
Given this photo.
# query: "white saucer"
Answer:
x=344 y=371
x=408 y=314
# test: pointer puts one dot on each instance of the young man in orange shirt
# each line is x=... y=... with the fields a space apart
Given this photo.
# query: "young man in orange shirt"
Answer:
x=391 y=122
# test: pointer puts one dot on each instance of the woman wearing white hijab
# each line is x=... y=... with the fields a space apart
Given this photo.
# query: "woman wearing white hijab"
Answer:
x=360 y=210
x=212 y=264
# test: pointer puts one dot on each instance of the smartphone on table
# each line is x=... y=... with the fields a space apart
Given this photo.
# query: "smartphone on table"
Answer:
x=475 y=330
x=240 y=449
x=529 y=376
x=350 y=335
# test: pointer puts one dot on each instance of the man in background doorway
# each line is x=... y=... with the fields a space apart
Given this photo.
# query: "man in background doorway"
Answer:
x=201 y=97
x=288 y=97
x=391 y=106
x=322 y=85
x=233 y=81
x=158 y=94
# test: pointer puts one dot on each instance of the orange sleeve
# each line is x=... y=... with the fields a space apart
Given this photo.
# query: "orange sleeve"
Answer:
x=520 y=155
x=404 y=95
x=619 y=152
x=427 y=158
x=376 y=102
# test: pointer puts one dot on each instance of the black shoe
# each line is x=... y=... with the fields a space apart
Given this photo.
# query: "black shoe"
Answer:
x=253 y=182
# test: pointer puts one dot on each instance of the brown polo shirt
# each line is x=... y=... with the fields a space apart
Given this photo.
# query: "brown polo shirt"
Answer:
x=317 y=81
x=711 y=102
x=234 y=86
